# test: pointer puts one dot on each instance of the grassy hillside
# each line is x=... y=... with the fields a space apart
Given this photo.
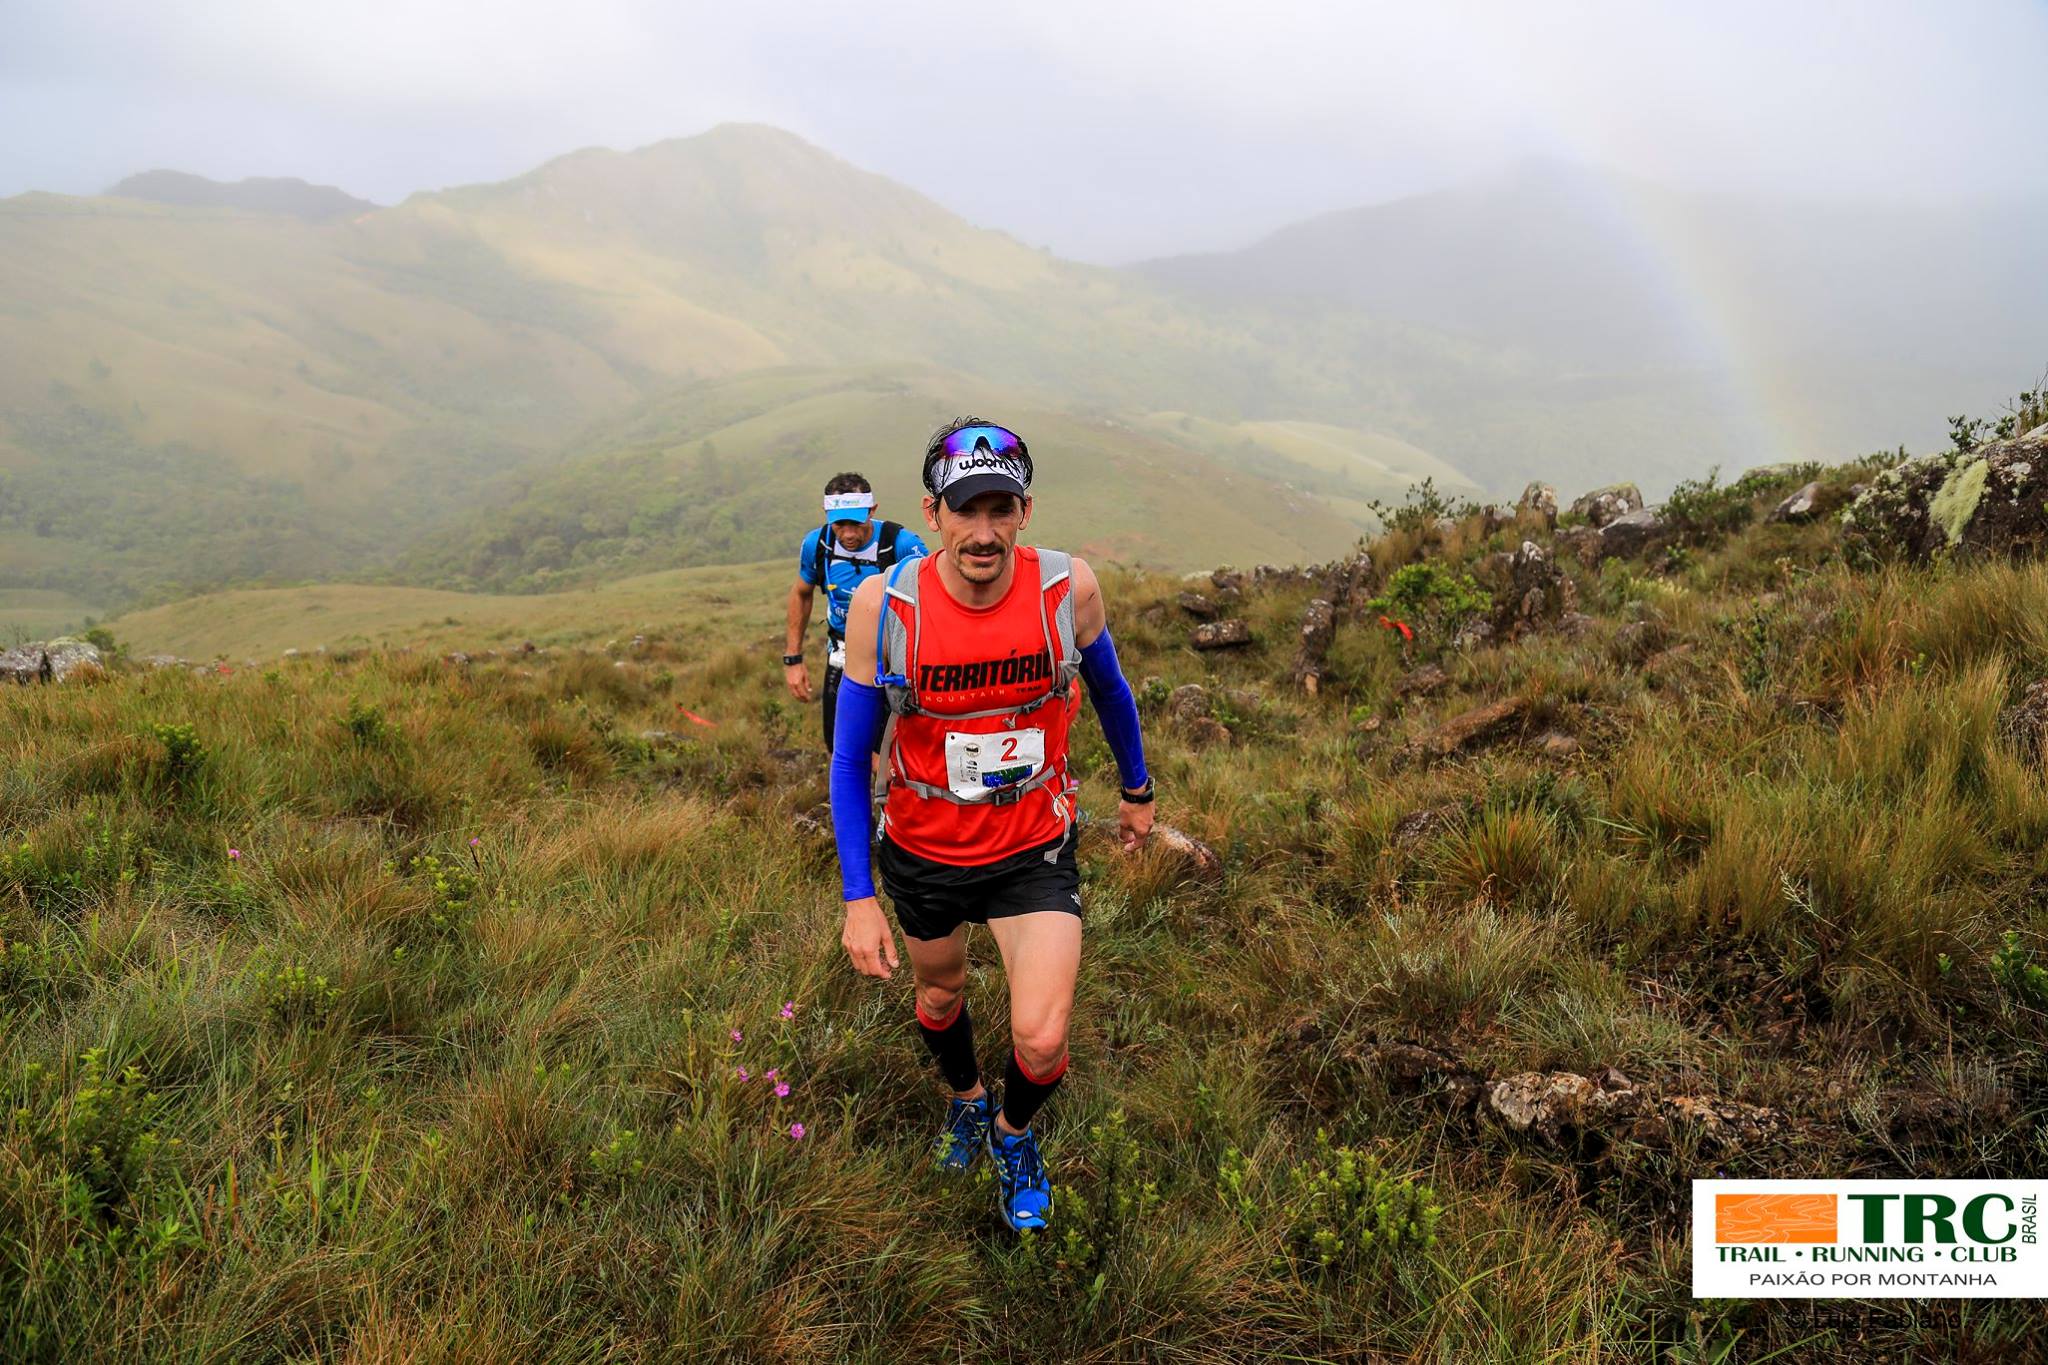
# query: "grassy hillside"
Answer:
x=723 y=602
x=445 y=1058
x=731 y=470
x=196 y=396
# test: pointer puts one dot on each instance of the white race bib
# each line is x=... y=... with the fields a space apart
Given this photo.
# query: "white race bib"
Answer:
x=980 y=765
x=835 y=656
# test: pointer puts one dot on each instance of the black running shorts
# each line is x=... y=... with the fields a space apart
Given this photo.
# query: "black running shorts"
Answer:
x=933 y=899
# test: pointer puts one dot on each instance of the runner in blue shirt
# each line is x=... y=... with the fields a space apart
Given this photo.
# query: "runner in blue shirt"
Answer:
x=849 y=547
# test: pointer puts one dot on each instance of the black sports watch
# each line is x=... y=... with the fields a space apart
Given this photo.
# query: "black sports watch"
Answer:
x=1143 y=796
x=789 y=659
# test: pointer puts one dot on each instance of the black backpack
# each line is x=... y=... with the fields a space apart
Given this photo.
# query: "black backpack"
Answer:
x=828 y=548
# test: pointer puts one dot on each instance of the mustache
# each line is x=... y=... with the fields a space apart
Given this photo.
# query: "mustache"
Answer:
x=993 y=547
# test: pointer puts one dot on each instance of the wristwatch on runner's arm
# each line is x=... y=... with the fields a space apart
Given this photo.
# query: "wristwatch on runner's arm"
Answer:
x=789 y=659
x=1141 y=797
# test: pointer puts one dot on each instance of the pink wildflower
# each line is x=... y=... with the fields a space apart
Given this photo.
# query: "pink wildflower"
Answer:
x=782 y=1090
x=796 y=1131
x=771 y=1073
x=789 y=1009
x=741 y=1072
x=735 y=1035
x=235 y=854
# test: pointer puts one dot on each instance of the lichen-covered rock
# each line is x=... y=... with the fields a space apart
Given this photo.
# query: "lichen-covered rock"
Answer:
x=1603 y=505
x=1631 y=533
x=59 y=660
x=1539 y=500
x=1536 y=595
x=1232 y=634
x=1468 y=728
x=1318 y=629
x=1800 y=506
x=1200 y=605
x=1188 y=701
x=1991 y=501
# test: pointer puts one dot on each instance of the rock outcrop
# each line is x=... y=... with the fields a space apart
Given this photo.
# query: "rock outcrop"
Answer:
x=1318 y=629
x=1603 y=505
x=1991 y=501
x=1631 y=534
x=1537 y=593
x=1800 y=506
x=58 y=660
x=1232 y=634
x=1538 y=500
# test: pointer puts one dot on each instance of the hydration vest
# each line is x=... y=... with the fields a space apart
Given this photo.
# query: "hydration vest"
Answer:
x=887 y=535
x=898 y=641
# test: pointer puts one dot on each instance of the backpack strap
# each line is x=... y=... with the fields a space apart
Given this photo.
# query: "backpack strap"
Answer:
x=885 y=552
x=893 y=645
x=818 y=559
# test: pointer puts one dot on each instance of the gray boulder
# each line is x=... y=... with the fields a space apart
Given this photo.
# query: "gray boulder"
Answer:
x=1991 y=501
x=1799 y=506
x=1604 y=505
x=1537 y=593
x=1539 y=500
x=56 y=661
x=1631 y=533
x=1232 y=634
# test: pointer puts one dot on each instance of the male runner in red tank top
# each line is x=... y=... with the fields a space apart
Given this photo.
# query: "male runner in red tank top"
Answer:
x=975 y=650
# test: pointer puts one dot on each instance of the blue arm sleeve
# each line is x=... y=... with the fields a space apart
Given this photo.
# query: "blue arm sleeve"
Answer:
x=1115 y=707
x=856 y=734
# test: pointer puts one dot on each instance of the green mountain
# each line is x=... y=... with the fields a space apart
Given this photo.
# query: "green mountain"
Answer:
x=729 y=471
x=197 y=396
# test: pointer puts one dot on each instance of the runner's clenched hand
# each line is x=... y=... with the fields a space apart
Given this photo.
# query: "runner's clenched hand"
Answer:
x=1133 y=824
x=798 y=676
x=869 y=944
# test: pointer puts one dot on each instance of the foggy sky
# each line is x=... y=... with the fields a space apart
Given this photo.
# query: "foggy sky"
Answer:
x=1109 y=131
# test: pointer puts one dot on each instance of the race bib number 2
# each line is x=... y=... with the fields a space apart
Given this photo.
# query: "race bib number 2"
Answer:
x=980 y=765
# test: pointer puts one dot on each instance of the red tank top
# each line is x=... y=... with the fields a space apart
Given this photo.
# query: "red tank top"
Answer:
x=964 y=659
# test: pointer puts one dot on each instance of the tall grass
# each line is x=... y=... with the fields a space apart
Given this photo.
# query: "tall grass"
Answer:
x=442 y=1062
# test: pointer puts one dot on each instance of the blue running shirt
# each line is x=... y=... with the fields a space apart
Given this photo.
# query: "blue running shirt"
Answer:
x=844 y=571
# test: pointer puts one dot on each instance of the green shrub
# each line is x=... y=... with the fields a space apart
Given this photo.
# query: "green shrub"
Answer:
x=364 y=722
x=292 y=995
x=183 y=750
x=1432 y=598
x=1421 y=507
x=1091 y=1228
x=2017 y=974
x=1346 y=1213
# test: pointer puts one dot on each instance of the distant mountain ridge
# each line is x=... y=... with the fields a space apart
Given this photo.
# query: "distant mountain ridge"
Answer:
x=286 y=195
x=192 y=398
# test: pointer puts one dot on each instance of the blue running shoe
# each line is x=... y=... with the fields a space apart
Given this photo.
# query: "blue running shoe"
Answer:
x=966 y=1131
x=1021 y=1184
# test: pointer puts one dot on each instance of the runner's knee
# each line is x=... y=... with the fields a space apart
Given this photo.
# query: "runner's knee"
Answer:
x=1040 y=1043
x=938 y=999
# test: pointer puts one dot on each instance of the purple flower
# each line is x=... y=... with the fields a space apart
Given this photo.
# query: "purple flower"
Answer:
x=789 y=1009
x=796 y=1132
x=782 y=1090
x=235 y=855
x=771 y=1073
x=474 y=842
x=741 y=1072
x=735 y=1035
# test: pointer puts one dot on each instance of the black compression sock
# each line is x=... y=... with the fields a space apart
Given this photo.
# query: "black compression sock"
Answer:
x=1023 y=1092
x=951 y=1041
